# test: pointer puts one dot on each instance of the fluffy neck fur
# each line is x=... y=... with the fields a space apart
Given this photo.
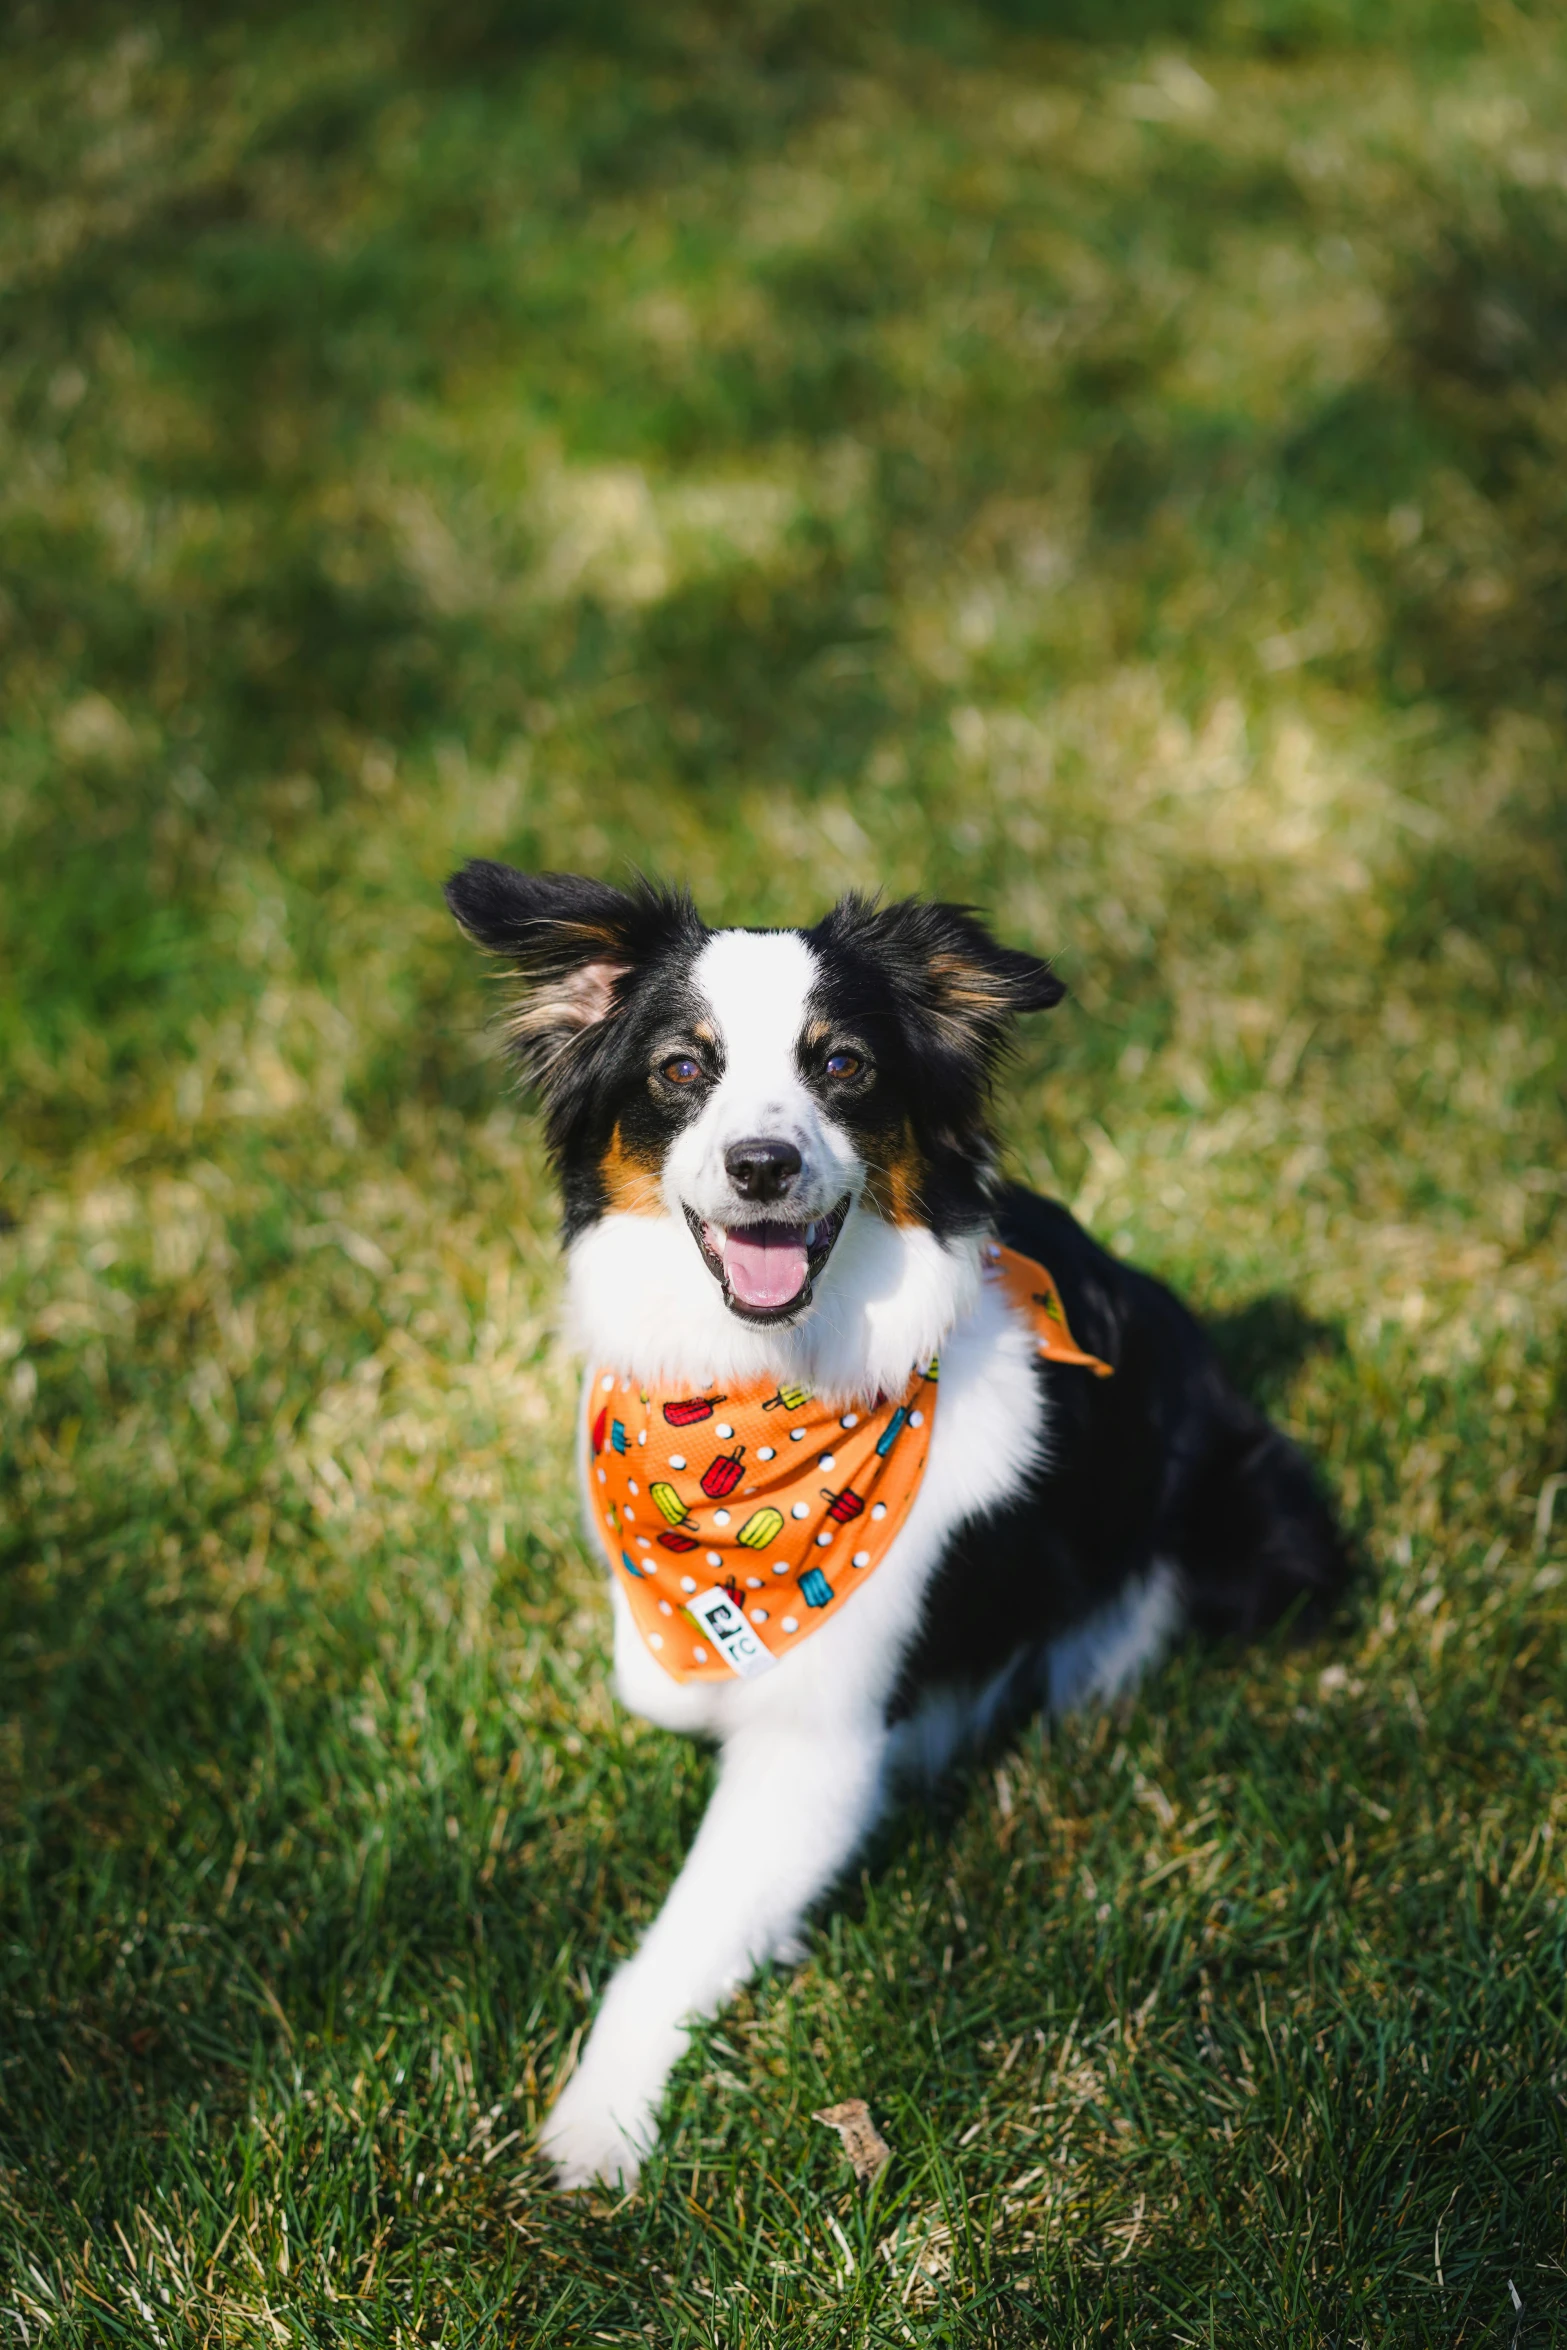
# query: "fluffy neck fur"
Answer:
x=640 y=1300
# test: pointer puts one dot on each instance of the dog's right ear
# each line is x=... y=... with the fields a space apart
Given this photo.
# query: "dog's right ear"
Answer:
x=571 y=944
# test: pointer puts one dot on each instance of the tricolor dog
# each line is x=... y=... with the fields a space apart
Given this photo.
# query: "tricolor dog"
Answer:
x=878 y=1449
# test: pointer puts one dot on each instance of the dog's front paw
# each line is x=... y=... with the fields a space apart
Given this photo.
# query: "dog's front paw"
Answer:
x=593 y=2140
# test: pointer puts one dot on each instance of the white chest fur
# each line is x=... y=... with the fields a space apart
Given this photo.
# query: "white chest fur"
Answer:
x=806 y=1745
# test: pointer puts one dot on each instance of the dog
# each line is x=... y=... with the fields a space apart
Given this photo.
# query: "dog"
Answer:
x=783 y=1204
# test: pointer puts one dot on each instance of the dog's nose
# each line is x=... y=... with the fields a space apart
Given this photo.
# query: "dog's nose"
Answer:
x=762 y=1169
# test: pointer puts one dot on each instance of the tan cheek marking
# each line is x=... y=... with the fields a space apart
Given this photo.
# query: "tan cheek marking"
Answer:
x=894 y=1183
x=630 y=1184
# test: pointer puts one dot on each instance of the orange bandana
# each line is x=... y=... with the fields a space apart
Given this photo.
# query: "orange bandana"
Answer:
x=739 y=1522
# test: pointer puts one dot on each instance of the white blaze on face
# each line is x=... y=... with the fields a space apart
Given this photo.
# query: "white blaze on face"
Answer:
x=756 y=987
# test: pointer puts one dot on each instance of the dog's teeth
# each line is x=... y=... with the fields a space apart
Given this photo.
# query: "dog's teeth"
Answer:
x=810 y=1235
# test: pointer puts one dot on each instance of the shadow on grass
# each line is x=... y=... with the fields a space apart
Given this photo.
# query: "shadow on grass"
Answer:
x=319 y=631
x=299 y=1815
x=1265 y=1343
x=1455 y=435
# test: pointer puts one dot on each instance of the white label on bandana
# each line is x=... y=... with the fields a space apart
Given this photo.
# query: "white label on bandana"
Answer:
x=716 y=1614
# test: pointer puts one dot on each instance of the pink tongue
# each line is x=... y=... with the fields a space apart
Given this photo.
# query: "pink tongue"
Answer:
x=765 y=1272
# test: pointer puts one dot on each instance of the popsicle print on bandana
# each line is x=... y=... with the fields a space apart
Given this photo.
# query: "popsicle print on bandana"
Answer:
x=768 y=1499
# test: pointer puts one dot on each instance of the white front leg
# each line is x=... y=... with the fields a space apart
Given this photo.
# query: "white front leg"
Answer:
x=792 y=1804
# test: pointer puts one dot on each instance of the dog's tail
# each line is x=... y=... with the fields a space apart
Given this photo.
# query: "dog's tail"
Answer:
x=1259 y=1542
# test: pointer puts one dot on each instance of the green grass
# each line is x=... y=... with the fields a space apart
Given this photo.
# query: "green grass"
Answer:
x=1106 y=463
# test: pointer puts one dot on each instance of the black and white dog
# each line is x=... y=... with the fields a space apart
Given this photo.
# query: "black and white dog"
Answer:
x=776 y=1164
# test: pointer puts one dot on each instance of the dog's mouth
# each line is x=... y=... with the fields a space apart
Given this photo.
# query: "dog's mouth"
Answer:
x=768 y=1271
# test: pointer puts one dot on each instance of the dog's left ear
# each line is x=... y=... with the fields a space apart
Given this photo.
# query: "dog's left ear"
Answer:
x=977 y=979
x=943 y=960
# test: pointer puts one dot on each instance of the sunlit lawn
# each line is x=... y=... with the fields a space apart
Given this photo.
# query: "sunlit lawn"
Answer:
x=1106 y=464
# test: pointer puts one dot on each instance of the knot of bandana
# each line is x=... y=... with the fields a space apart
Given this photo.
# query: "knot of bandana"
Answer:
x=738 y=1522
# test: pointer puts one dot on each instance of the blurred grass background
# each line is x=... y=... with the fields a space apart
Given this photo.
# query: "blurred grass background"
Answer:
x=1106 y=463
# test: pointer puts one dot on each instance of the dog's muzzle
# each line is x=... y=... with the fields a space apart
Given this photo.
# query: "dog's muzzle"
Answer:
x=768 y=1272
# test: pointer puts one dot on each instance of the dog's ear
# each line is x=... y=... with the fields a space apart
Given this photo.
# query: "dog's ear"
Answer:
x=570 y=944
x=943 y=961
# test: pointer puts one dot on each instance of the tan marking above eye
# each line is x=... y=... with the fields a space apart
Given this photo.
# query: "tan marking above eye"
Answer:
x=704 y=1034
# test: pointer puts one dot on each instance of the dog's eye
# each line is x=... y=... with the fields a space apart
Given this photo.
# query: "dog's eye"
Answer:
x=682 y=1070
x=844 y=1064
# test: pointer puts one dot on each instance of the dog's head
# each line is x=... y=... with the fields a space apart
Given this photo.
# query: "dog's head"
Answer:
x=760 y=1087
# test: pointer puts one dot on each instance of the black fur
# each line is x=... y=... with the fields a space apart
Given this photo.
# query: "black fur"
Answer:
x=931 y=998
x=592 y=1076
x=924 y=993
x=1162 y=1461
